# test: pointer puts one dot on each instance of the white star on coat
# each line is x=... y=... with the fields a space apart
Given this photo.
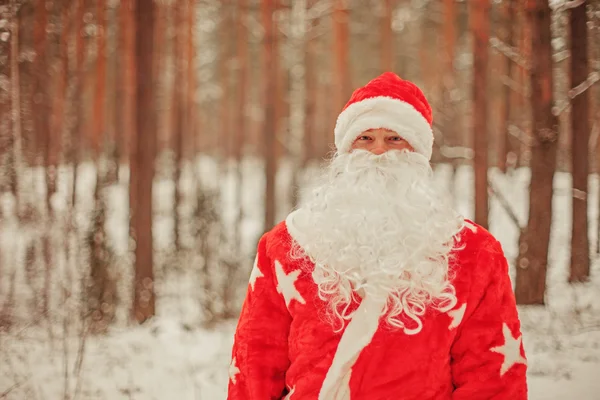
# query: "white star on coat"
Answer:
x=289 y=395
x=233 y=371
x=286 y=284
x=457 y=316
x=256 y=273
x=511 y=350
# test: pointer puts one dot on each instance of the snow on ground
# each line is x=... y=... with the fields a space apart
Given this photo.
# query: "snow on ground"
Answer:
x=173 y=358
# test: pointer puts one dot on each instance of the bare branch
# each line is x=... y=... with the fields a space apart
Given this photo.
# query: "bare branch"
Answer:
x=505 y=204
x=567 y=5
x=319 y=10
x=510 y=52
x=513 y=53
x=592 y=78
x=579 y=194
x=561 y=55
x=453 y=152
x=514 y=86
x=521 y=135
x=10 y=389
x=85 y=331
x=561 y=107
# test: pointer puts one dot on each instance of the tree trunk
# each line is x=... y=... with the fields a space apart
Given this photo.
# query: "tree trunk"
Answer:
x=179 y=110
x=99 y=118
x=533 y=243
x=268 y=91
x=523 y=105
x=480 y=26
x=5 y=102
x=449 y=120
x=310 y=108
x=102 y=294
x=297 y=96
x=595 y=44
x=126 y=109
x=341 y=71
x=281 y=100
x=387 y=37
x=15 y=94
x=41 y=118
x=142 y=162
x=26 y=13
x=62 y=77
x=580 y=134
x=77 y=135
x=162 y=28
x=191 y=81
x=112 y=66
x=240 y=129
x=225 y=145
x=506 y=31
x=40 y=100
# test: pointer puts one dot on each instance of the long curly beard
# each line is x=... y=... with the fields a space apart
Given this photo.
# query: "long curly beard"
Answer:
x=374 y=225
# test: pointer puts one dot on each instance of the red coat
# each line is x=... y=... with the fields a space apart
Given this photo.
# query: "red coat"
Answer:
x=283 y=349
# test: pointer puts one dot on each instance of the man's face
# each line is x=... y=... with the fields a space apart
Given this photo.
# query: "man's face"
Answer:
x=379 y=141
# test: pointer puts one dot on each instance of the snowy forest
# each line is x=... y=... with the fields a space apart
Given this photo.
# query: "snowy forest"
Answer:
x=146 y=145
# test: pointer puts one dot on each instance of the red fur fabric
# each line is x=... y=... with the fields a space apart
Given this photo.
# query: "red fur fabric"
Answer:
x=284 y=345
x=391 y=85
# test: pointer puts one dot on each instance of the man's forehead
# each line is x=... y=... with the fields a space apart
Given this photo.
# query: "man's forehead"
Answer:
x=382 y=129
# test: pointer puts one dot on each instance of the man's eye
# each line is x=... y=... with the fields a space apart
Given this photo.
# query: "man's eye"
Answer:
x=396 y=138
x=364 y=138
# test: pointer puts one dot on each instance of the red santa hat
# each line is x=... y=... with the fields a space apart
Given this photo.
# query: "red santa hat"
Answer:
x=387 y=102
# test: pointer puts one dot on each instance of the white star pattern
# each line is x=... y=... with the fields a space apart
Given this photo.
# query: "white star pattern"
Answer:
x=289 y=395
x=286 y=284
x=511 y=350
x=233 y=371
x=457 y=316
x=256 y=273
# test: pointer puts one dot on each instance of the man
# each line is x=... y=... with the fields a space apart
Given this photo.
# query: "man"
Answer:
x=374 y=288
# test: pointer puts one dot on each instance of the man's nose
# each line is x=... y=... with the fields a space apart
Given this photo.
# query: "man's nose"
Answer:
x=379 y=148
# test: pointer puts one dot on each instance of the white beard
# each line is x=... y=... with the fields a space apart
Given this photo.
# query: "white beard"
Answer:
x=374 y=225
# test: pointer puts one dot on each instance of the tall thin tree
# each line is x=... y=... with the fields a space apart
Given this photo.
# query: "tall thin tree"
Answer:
x=523 y=106
x=5 y=95
x=580 y=134
x=297 y=94
x=99 y=107
x=310 y=78
x=449 y=117
x=41 y=124
x=76 y=136
x=15 y=94
x=40 y=100
x=180 y=107
x=387 y=37
x=126 y=109
x=532 y=261
x=240 y=128
x=506 y=35
x=102 y=291
x=341 y=71
x=142 y=162
x=191 y=118
x=480 y=26
x=62 y=77
x=269 y=74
